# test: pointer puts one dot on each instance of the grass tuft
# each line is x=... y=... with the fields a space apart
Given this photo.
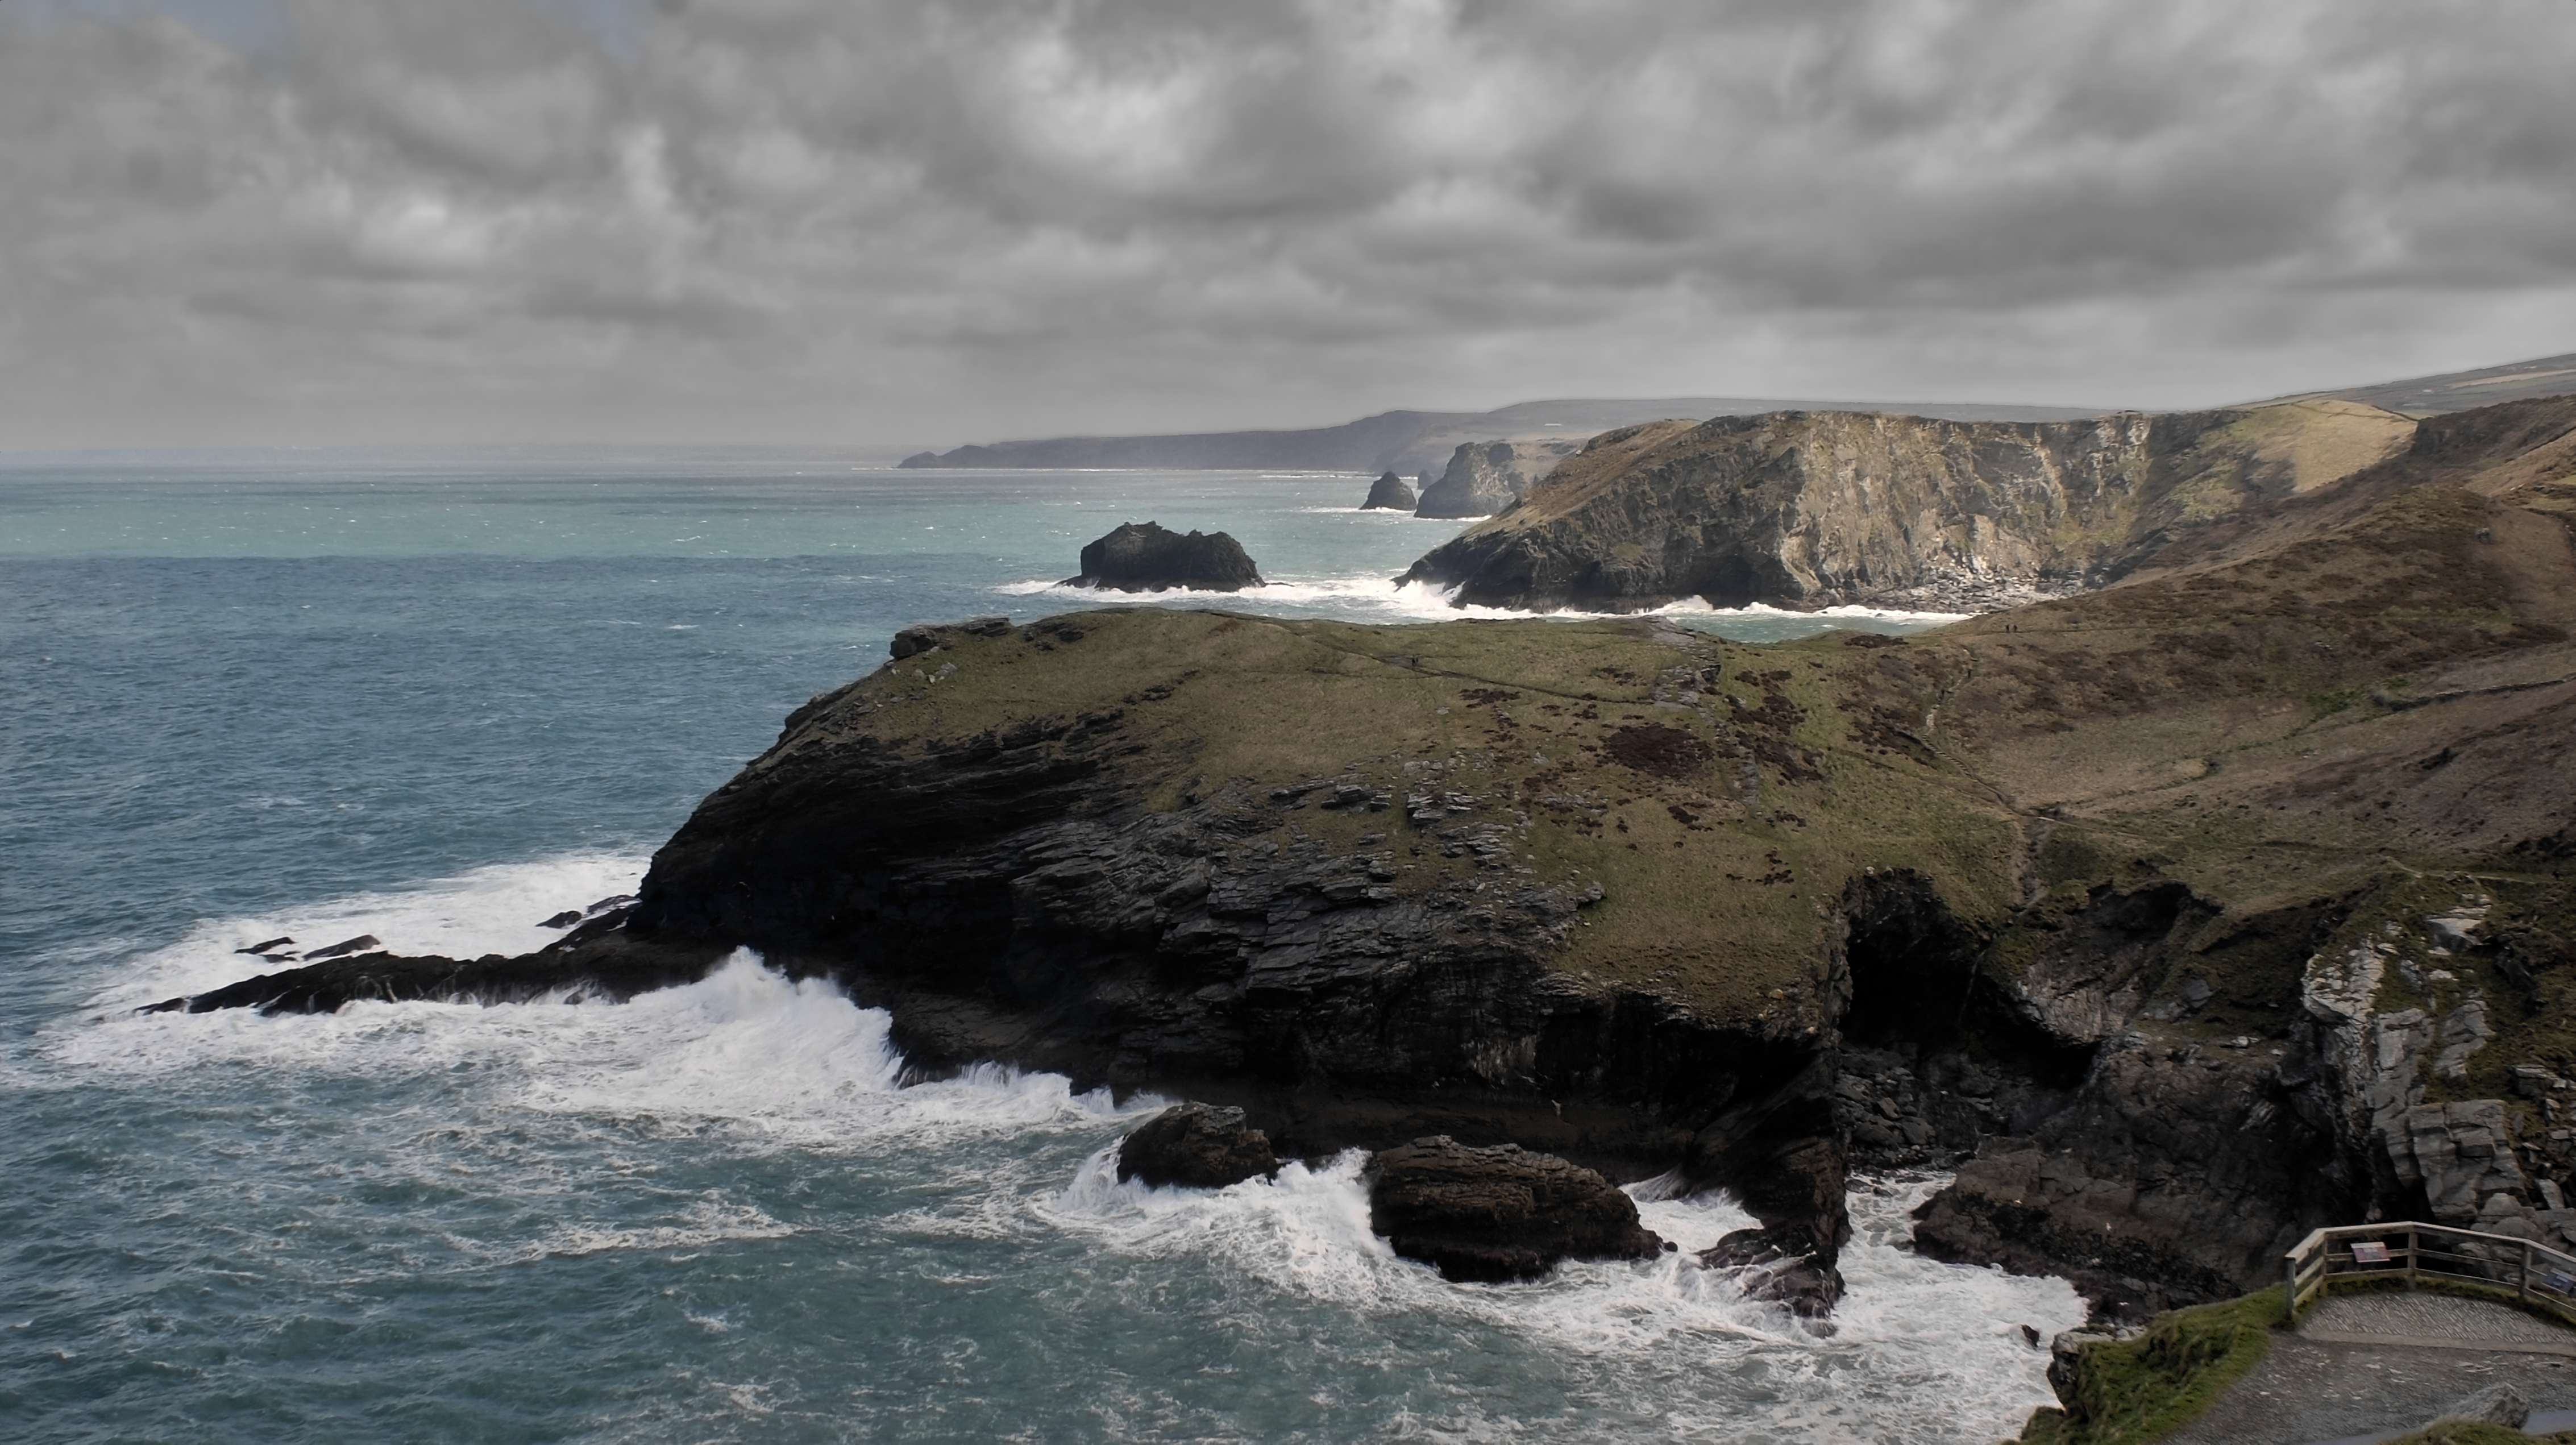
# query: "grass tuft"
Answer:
x=2141 y=1389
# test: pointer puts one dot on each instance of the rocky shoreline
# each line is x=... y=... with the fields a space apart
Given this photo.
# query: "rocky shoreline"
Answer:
x=2178 y=916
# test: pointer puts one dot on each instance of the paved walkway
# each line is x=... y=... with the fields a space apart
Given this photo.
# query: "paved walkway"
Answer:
x=2371 y=1366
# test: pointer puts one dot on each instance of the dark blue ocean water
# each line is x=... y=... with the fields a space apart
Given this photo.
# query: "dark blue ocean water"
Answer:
x=439 y=697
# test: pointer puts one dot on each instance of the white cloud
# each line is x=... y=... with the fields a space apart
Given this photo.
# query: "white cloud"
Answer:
x=873 y=220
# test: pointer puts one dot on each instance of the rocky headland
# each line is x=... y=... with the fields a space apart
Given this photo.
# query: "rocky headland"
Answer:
x=1812 y=509
x=2179 y=916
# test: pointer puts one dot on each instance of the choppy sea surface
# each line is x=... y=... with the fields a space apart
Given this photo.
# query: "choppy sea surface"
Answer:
x=437 y=697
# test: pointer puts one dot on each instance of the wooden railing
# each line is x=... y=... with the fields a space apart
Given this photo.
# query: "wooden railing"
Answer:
x=2407 y=1251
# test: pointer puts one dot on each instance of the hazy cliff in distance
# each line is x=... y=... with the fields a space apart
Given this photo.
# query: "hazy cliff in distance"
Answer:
x=1409 y=442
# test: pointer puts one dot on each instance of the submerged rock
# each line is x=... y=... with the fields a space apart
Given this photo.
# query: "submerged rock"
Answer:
x=1147 y=557
x=1198 y=1146
x=1502 y=1213
x=1389 y=494
x=1784 y=1271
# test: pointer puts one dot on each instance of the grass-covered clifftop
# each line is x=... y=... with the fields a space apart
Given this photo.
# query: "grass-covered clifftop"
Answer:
x=1720 y=795
x=2382 y=697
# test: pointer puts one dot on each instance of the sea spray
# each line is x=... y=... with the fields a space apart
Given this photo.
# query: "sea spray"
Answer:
x=1380 y=599
x=262 y=699
x=1919 y=1350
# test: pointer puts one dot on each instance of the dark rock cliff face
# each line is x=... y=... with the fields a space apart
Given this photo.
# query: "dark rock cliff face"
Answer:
x=1010 y=899
x=1148 y=558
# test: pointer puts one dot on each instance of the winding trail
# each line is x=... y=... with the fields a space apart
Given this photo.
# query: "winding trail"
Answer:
x=2369 y=1367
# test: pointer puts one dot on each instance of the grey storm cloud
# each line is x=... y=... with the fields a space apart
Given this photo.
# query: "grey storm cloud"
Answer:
x=837 y=219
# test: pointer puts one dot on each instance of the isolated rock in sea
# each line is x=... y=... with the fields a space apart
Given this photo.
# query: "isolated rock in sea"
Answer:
x=1389 y=494
x=345 y=947
x=1784 y=1272
x=1198 y=1146
x=1486 y=477
x=1500 y=1213
x=1145 y=557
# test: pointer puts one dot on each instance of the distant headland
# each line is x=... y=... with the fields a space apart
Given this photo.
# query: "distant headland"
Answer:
x=1412 y=442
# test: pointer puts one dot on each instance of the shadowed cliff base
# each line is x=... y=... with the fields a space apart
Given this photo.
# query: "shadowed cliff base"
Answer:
x=2129 y=901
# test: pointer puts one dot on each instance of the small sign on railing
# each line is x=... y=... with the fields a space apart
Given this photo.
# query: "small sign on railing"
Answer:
x=2365 y=1251
x=2559 y=1281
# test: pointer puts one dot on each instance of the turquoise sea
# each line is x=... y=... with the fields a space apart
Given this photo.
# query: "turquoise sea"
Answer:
x=438 y=696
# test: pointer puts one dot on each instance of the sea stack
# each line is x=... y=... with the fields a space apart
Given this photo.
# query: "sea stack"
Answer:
x=1390 y=494
x=1147 y=557
x=1486 y=477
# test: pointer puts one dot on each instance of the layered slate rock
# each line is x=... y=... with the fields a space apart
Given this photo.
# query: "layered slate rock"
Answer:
x=1389 y=493
x=1196 y=1146
x=1484 y=478
x=1817 y=508
x=1146 y=557
x=1500 y=1213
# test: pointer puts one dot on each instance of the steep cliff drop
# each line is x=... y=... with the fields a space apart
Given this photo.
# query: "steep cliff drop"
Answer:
x=1807 y=509
x=2179 y=916
x=1487 y=477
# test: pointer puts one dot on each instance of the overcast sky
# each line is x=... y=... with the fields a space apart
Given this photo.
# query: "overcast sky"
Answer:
x=907 y=224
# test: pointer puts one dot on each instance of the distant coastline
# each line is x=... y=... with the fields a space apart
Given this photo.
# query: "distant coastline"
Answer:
x=1411 y=442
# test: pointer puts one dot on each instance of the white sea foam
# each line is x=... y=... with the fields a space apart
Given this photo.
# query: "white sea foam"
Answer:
x=747 y=1059
x=1918 y=1351
x=793 y=1062
x=494 y=909
x=1369 y=597
x=710 y=1221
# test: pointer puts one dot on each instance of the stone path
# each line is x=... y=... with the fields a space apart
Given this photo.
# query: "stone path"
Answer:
x=2433 y=1321
x=2368 y=1367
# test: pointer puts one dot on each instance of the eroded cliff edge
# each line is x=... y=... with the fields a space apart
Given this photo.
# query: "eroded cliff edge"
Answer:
x=1813 y=508
x=2132 y=899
